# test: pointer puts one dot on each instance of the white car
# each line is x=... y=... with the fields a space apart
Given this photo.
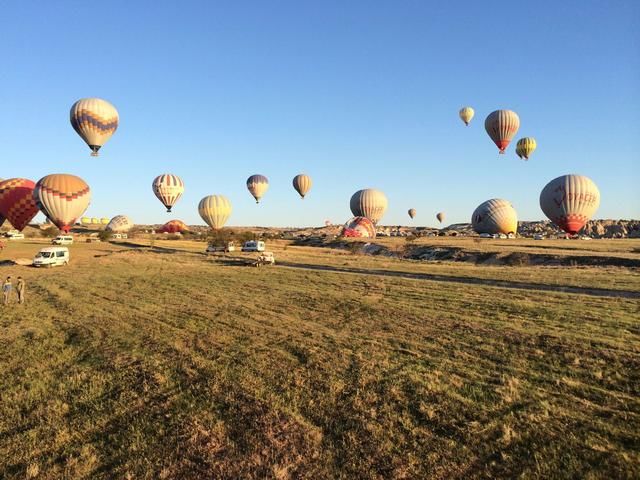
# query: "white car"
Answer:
x=213 y=248
x=486 y=235
x=538 y=237
x=62 y=240
x=51 y=257
x=15 y=236
x=584 y=237
x=253 y=246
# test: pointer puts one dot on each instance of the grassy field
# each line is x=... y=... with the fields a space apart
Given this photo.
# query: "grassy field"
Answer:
x=164 y=363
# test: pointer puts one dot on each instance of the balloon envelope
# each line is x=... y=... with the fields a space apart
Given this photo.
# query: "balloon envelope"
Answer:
x=62 y=198
x=466 y=114
x=495 y=216
x=502 y=125
x=570 y=201
x=174 y=226
x=215 y=210
x=258 y=186
x=168 y=189
x=95 y=120
x=412 y=212
x=17 y=203
x=525 y=147
x=119 y=224
x=369 y=203
x=302 y=183
x=359 y=227
x=440 y=216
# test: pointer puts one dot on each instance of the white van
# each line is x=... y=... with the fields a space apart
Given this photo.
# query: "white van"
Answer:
x=51 y=257
x=62 y=240
x=253 y=246
x=15 y=235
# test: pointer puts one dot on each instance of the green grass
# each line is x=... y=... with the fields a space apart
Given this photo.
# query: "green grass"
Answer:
x=139 y=364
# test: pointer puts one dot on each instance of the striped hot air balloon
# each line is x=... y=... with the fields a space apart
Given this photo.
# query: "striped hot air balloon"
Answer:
x=525 y=147
x=62 y=198
x=95 y=120
x=258 y=186
x=502 y=125
x=440 y=216
x=302 y=183
x=168 y=188
x=2 y=219
x=495 y=216
x=369 y=203
x=215 y=210
x=174 y=226
x=17 y=203
x=85 y=221
x=104 y=221
x=119 y=224
x=412 y=212
x=570 y=201
x=359 y=227
x=466 y=114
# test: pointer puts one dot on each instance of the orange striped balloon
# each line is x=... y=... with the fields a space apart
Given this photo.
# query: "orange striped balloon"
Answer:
x=62 y=198
x=168 y=188
x=95 y=120
x=502 y=125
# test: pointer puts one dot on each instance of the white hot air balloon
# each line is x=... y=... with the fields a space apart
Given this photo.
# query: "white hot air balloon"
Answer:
x=215 y=210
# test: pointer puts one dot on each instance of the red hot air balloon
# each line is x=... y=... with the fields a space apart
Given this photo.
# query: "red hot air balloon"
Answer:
x=174 y=226
x=502 y=125
x=17 y=203
x=359 y=227
x=569 y=201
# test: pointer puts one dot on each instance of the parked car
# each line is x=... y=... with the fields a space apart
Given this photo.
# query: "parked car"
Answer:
x=62 y=240
x=253 y=246
x=538 y=237
x=265 y=258
x=15 y=235
x=215 y=248
x=486 y=235
x=51 y=257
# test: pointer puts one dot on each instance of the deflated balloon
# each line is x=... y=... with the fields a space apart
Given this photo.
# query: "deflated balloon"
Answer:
x=62 y=198
x=412 y=212
x=119 y=224
x=466 y=114
x=369 y=203
x=174 y=226
x=495 y=216
x=359 y=227
x=215 y=210
x=258 y=186
x=502 y=125
x=95 y=120
x=440 y=216
x=570 y=201
x=168 y=188
x=525 y=147
x=17 y=203
x=302 y=183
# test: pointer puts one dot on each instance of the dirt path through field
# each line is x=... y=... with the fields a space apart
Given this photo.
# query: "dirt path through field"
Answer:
x=594 y=292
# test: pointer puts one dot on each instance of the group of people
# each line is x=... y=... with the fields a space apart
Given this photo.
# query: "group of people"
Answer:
x=7 y=288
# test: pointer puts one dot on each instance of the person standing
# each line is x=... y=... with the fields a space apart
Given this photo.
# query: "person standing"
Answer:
x=20 y=290
x=6 y=290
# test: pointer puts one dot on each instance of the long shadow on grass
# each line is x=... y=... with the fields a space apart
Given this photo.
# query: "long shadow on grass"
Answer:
x=594 y=292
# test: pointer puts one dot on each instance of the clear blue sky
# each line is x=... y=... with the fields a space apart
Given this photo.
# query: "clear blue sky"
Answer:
x=357 y=94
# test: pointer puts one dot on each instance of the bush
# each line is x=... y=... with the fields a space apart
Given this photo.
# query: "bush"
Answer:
x=104 y=235
x=49 y=232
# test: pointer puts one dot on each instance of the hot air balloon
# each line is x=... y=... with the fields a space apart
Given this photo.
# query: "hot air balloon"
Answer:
x=174 y=226
x=412 y=212
x=369 y=203
x=440 y=216
x=502 y=125
x=2 y=219
x=495 y=216
x=525 y=147
x=466 y=114
x=104 y=221
x=62 y=198
x=16 y=202
x=359 y=227
x=215 y=210
x=569 y=201
x=327 y=223
x=302 y=183
x=119 y=224
x=95 y=120
x=168 y=188
x=95 y=221
x=85 y=221
x=257 y=185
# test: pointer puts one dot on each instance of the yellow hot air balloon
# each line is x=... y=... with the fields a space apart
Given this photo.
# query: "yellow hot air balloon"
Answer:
x=502 y=126
x=104 y=221
x=369 y=203
x=85 y=221
x=302 y=183
x=120 y=224
x=215 y=210
x=495 y=216
x=525 y=147
x=62 y=198
x=466 y=114
x=258 y=186
x=412 y=212
x=95 y=221
x=95 y=120
x=168 y=188
x=440 y=216
x=570 y=201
